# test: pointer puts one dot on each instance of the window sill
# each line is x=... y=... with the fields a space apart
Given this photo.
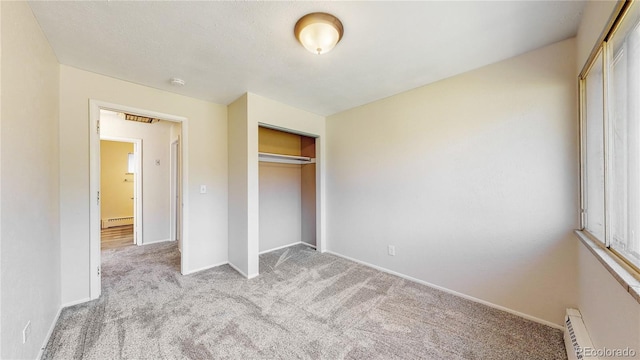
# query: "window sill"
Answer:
x=624 y=274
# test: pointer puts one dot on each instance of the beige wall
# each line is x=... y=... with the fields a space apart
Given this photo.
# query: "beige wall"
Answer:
x=239 y=216
x=206 y=134
x=611 y=315
x=30 y=248
x=473 y=179
x=116 y=186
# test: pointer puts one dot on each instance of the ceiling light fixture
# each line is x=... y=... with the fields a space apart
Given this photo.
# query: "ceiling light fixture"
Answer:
x=318 y=32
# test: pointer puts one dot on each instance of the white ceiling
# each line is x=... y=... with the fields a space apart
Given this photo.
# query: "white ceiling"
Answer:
x=224 y=49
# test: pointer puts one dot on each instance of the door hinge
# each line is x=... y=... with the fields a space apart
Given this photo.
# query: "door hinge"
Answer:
x=98 y=270
x=98 y=199
x=98 y=127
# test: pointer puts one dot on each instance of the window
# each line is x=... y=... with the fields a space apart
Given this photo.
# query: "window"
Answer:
x=131 y=164
x=594 y=146
x=610 y=108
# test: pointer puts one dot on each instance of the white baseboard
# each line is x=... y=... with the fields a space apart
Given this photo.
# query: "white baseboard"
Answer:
x=75 y=302
x=279 y=247
x=49 y=333
x=286 y=246
x=55 y=321
x=156 y=241
x=309 y=245
x=238 y=269
x=205 y=268
x=242 y=272
x=464 y=296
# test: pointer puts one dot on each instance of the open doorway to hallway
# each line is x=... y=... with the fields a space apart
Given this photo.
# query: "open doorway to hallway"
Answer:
x=136 y=170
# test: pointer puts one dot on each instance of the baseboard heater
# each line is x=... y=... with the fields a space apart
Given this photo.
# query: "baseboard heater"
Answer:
x=118 y=221
x=576 y=338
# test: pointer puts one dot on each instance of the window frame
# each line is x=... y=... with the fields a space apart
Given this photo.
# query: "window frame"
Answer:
x=601 y=48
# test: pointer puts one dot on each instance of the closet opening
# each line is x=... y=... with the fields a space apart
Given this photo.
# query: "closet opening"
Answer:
x=287 y=189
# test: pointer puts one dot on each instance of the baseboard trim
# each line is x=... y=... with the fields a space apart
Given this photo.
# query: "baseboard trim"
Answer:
x=286 y=246
x=205 y=268
x=452 y=292
x=156 y=241
x=278 y=248
x=309 y=245
x=55 y=321
x=75 y=302
x=49 y=333
x=238 y=270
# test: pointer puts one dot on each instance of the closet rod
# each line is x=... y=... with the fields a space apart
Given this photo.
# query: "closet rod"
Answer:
x=288 y=159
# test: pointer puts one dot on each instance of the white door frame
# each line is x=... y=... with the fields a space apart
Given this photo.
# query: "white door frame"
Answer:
x=94 y=185
x=174 y=153
x=137 y=185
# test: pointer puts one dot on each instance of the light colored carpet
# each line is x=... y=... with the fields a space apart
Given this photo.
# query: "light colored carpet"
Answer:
x=303 y=305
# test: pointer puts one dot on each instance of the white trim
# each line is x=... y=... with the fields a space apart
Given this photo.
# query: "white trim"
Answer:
x=94 y=185
x=75 y=302
x=206 y=268
x=157 y=241
x=279 y=247
x=288 y=130
x=464 y=296
x=286 y=246
x=173 y=188
x=309 y=245
x=249 y=277
x=95 y=280
x=237 y=269
x=55 y=322
x=49 y=333
x=137 y=183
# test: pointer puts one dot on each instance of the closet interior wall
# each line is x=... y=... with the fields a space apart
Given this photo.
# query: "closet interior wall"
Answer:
x=286 y=191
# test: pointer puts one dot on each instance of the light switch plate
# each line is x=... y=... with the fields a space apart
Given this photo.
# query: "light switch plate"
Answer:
x=203 y=189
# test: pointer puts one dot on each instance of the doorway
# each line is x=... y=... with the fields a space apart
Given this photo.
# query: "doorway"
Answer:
x=121 y=189
x=150 y=164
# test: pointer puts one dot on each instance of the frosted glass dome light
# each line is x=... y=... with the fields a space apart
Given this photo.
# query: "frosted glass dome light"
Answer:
x=318 y=32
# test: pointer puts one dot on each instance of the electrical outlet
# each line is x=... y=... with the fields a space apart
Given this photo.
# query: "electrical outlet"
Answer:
x=26 y=332
x=392 y=250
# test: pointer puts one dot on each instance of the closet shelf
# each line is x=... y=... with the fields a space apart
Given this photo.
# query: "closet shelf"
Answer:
x=285 y=159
